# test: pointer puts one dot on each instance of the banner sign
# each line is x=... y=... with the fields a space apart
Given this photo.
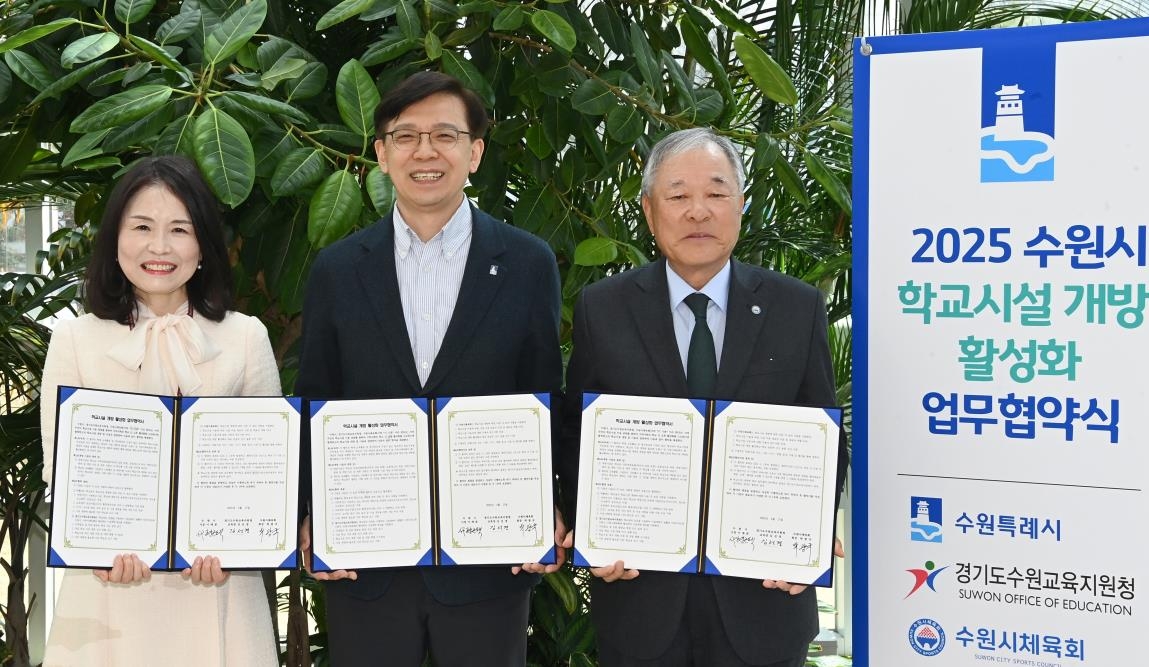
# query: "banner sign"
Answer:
x=1001 y=425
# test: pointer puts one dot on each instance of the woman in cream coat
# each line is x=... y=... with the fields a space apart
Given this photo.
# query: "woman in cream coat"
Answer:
x=157 y=291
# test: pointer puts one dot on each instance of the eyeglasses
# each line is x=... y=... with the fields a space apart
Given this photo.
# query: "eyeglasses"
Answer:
x=442 y=138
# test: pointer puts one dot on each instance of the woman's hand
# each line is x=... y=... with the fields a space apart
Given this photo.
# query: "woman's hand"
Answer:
x=126 y=569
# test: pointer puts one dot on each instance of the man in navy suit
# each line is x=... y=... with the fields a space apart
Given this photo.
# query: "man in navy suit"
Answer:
x=436 y=299
x=633 y=335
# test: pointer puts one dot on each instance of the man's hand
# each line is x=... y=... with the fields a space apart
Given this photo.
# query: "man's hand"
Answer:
x=614 y=572
x=795 y=589
x=206 y=570
x=126 y=569
x=564 y=539
x=305 y=549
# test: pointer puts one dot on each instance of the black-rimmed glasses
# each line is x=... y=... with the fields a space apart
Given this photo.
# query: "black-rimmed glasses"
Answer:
x=442 y=138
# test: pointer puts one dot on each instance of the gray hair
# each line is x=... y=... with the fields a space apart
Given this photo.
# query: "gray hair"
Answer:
x=682 y=141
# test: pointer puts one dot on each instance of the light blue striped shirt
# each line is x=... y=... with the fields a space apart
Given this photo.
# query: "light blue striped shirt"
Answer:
x=718 y=289
x=430 y=275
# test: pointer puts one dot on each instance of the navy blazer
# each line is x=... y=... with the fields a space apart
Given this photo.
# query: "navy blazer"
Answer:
x=775 y=351
x=503 y=338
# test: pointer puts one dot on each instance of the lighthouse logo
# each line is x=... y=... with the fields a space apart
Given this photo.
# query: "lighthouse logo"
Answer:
x=925 y=519
x=1017 y=114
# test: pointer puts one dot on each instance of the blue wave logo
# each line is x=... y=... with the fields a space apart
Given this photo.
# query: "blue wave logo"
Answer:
x=1008 y=151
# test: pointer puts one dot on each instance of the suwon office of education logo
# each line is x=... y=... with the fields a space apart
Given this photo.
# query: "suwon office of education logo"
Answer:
x=927 y=637
x=1017 y=113
x=925 y=576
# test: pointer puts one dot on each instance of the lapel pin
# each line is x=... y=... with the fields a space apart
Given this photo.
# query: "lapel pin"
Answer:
x=756 y=310
x=494 y=270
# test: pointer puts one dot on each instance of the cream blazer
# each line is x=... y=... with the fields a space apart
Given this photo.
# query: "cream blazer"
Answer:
x=112 y=625
x=77 y=356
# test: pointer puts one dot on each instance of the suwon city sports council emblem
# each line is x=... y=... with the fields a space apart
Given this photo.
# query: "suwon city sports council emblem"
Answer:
x=927 y=637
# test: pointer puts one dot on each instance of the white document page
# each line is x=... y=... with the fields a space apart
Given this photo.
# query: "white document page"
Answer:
x=496 y=479
x=238 y=480
x=640 y=479
x=112 y=478
x=370 y=477
x=772 y=490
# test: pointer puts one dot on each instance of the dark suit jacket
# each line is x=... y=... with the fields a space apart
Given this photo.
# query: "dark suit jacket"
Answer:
x=502 y=339
x=624 y=344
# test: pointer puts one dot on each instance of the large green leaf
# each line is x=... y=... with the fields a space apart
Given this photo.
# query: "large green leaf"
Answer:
x=284 y=69
x=625 y=124
x=229 y=36
x=555 y=28
x=408 y=19
x=509 y=18
x=309 y=84
x=537 y=141
x=343 y=11
x=28 y=69
x=698 y=45
x=85 y=147
x=593 y=97
x=176 y=139
x=299 y=169
x=389 y=47
x=5 y=81
x=143 y=131
x=730 y=18
x=223 y=151
x=65 y=82
x=334 y=209
x=466 y=35
x=266 y=105
x=610 y=26
x=708 y=105
x=125 y=107
x=769 y=76
x=644 y=56
x=432 y=46
x=17 y=149
x=88 y=48
x=465 y=71
x=381 y=191
x=270 y=149
x=179 y=27
x=160 y=55
x=595 y=251
x=679 y=79
x=34 y=33
x=356 y=96
x=791 y=181
x=829 y=182
x=130 y=11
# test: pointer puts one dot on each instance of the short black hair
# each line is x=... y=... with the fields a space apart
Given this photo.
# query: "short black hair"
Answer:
x=421 y=85
x=107 y=292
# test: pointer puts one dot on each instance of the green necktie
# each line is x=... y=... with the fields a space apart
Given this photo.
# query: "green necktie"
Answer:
x=701 y=365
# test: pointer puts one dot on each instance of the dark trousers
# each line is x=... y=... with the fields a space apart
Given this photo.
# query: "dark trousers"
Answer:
x=699 y=642
x=407 y=624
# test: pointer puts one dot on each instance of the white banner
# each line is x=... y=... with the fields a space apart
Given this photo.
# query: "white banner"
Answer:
x=1001 y=415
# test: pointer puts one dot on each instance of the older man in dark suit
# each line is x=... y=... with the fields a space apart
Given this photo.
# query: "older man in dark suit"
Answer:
x=638 y=332
x=436 y=299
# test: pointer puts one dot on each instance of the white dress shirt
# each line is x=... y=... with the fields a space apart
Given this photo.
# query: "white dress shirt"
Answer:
x=430 y=275
x=718 y=289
